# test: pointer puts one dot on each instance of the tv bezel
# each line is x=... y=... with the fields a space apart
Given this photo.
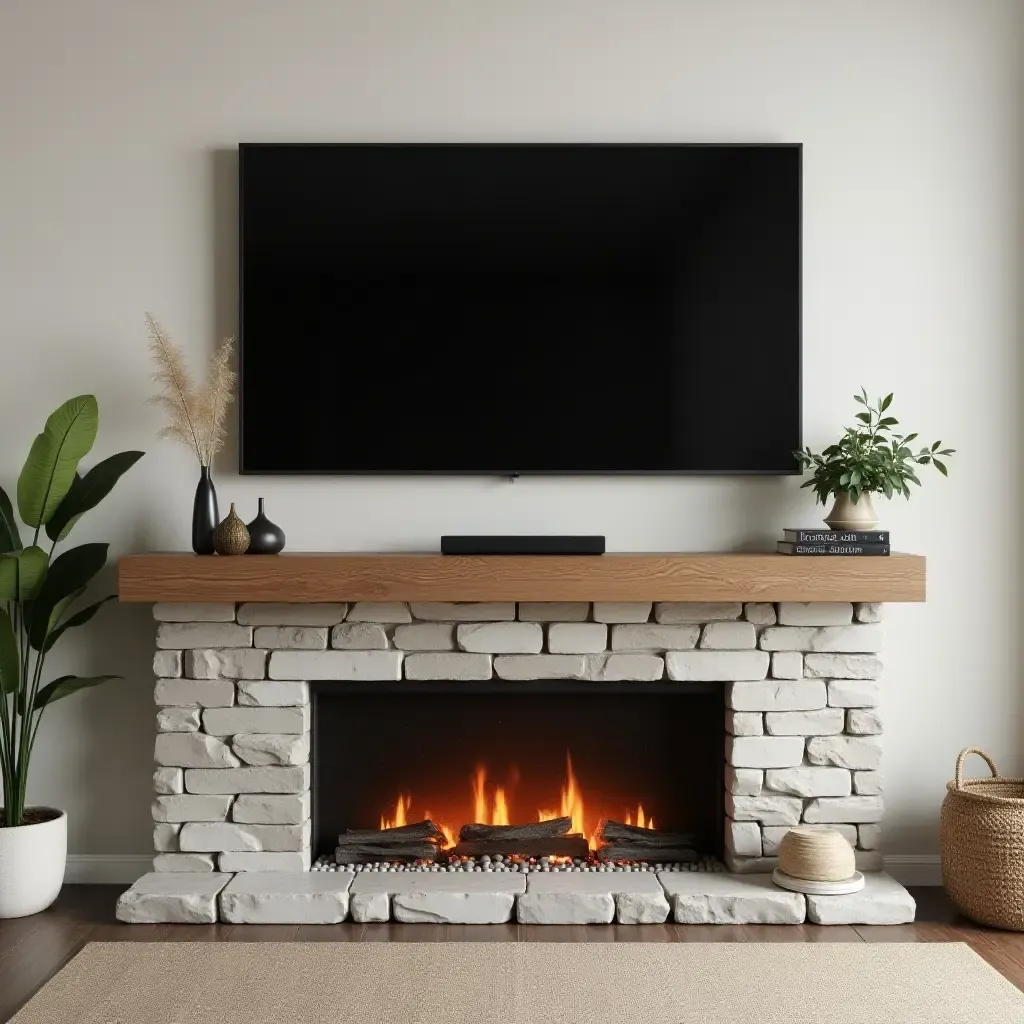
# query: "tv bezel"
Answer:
x=511 y=473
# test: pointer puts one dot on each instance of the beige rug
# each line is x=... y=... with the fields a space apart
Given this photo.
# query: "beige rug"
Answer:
x=525 y=983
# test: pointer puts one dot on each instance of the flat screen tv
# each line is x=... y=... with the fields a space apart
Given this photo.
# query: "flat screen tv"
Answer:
x=520 y=308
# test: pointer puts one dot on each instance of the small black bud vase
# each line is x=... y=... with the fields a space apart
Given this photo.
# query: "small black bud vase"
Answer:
x=205 y=515
x=266 y=538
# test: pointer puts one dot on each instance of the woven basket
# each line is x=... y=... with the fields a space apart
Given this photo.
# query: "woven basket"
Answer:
x=983 y=845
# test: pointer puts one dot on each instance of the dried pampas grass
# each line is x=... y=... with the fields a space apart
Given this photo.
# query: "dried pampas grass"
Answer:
x=195 y=418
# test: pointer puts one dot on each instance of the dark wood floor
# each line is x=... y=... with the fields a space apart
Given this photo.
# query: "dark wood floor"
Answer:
x=33 y=949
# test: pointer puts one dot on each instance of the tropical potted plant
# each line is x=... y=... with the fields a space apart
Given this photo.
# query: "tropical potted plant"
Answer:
x=870 y=458
x=37 y=592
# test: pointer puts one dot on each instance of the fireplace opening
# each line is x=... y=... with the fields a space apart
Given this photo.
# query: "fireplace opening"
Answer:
x=564 y=758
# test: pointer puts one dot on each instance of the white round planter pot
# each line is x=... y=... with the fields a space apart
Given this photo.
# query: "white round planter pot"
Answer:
x=32 y=860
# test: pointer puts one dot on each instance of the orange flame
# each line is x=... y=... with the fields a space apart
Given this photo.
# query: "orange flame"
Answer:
x=401 y=813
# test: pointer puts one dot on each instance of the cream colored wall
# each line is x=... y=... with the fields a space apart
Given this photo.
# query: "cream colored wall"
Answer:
x=118 y=128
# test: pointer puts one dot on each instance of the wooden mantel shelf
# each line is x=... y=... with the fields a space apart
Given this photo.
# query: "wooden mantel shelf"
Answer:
x=308 y=577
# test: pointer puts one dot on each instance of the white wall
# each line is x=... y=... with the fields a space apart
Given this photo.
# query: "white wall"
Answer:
x=117 y=131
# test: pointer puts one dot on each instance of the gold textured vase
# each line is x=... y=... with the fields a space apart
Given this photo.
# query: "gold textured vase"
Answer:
x=231 y=537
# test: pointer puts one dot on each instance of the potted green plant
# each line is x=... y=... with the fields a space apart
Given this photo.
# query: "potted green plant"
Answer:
x=870 y=458
x=37 y=594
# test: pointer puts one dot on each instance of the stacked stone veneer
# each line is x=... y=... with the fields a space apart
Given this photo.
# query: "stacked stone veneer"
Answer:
x=232 y=784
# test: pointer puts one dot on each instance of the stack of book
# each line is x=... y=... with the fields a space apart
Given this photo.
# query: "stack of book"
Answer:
x=834 y=542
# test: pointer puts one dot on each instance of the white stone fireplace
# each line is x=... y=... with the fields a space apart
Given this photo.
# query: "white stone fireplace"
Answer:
x=233 y=804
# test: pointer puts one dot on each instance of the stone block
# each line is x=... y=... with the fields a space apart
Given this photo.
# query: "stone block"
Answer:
x=500 y=637
x=882 y=901
x=743 y=781
x=768 y=808
x=729 y=636
x=750 y=865
x=625 y=667
x=776 y=695
x=167 y=611
x=842 y=666
x=464 y=611
x=868 y=612
x=229 y=721
x=452 y=666
x=286 y=897
x=361 y=636
x=273 y=614
x=267 y=809
x=222 y=837
x=787 y=665
x=271 y=748
x=247 y=780
x=167 y=664
x=717 y=666
x=183 y=862
x=652 y=637
x=520 y=667
x=294 y=638
x=839 y=639
x=294 y=861
x=796 y=613
x=868 y=860
x=869 y=836
x=826 y=722
x=577 y=637
x=218 y=693
x=553 y=611
x=165 y=837
x=566 y=908
x=336 y=665
x=168 y=781
x=622 y=611
x=743 y=837
x=188 y=807
x=436 y=898
x=853 y=693
x=771 y=836
x=760 y=613
x=707 y=898
x=868 y=783
x=193 y=750
x=808 y=782
x=273 y=693
x=237 y=663
x=583 y=898
x=371 y=907
x=863 y=753
x=674 y=612
x=178 y=635
x=172 y=897
x=379 y=611
x=863 y=721
x=744 y=723
x=174 y=719
x=764 y=751
x=849 y=809
x=425 y=636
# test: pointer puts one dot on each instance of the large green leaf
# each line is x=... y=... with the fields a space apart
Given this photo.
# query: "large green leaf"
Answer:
x=68 y=572
x=88 y=491
x=53 y=458
x=78 y=619
x=21 y=573
x=10 y=539
x=65 y=686
x=10 y=663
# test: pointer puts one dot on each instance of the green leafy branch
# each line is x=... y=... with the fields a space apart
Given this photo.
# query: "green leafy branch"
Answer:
x=870 y=457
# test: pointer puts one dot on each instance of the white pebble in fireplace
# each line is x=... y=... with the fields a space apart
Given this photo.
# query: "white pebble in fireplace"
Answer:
x=232 y=805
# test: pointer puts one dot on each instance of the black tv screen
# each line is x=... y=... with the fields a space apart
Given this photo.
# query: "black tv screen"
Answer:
x=520 y=308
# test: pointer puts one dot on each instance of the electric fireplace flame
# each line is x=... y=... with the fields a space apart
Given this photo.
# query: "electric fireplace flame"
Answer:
x=489 y=803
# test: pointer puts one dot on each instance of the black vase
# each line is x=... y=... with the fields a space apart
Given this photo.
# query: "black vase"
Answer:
x=204 y=514
x=265 y=537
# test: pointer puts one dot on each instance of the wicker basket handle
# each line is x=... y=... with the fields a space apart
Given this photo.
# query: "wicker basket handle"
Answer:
x=963 y=755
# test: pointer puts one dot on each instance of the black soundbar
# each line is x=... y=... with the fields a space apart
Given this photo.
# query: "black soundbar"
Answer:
x=511 y=544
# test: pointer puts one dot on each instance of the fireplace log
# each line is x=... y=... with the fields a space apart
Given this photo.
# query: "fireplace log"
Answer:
x=656 y=854
x=616 y=831
x=553 y=846
x=535 y=830
x=353 y=853
x=420 y=830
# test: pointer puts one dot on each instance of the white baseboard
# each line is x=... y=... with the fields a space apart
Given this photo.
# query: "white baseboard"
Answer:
x=109 y=868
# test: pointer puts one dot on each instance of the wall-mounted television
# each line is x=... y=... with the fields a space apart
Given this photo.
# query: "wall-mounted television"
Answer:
x=520 y=308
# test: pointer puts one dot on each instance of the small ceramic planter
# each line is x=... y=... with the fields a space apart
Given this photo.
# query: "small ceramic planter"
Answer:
x=32 y=861
x=849 y=515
